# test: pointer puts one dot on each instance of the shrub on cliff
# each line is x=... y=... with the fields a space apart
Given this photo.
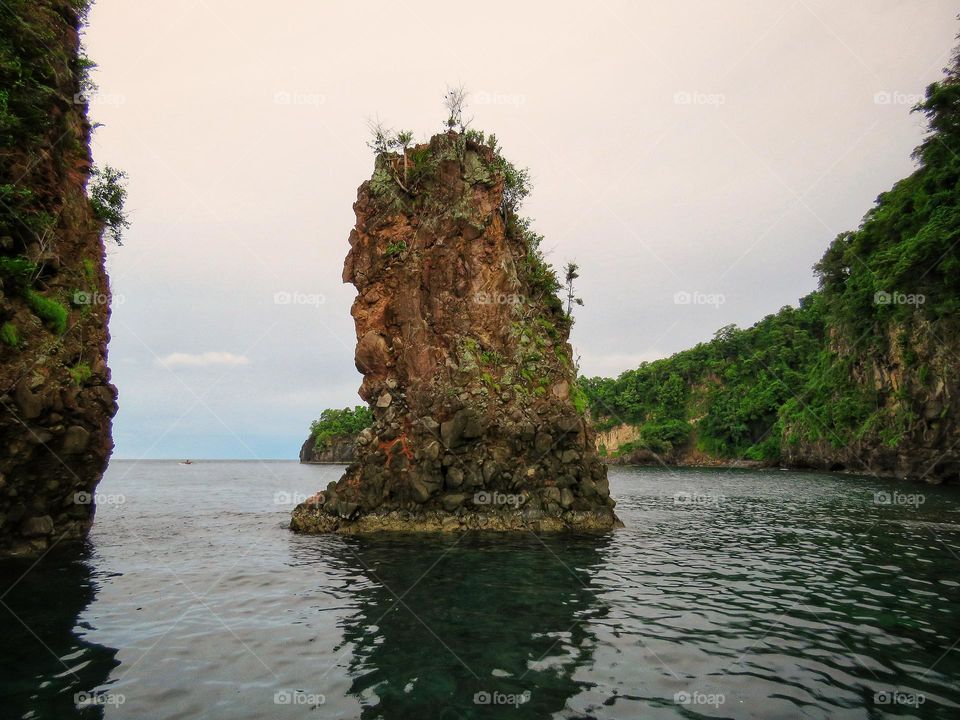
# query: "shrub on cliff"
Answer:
x=108 y=196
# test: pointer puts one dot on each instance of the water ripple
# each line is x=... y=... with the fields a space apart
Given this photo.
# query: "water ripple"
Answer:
x=734 y=594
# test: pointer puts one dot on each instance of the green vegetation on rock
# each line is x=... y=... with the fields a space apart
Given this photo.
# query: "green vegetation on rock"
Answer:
x=108 y=196
x=9 y=335
x=49 y=310
x=81 y=373
x=337 y=423
x=396 y=248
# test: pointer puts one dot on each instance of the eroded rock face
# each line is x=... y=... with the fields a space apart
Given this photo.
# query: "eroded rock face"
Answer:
x=56 y=400
x=336 y=450
x=463 y=348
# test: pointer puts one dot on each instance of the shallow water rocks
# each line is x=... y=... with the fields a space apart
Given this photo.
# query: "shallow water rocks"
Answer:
x=462 y=342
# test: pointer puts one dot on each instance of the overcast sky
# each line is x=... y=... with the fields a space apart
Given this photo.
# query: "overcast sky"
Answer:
x=694 y=158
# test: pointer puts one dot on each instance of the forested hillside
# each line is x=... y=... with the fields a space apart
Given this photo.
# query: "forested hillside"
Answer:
x=862 y=376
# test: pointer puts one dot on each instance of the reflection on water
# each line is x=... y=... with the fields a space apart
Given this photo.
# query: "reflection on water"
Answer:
x=48 y=668
x=760 y=595
x=470 y=623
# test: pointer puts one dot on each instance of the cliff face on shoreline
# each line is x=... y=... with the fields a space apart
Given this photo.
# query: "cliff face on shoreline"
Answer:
x=889 y=409
x=56 y=400
x=339 y=449
x=462 y=342
x=863 y=376
x=913 y=380
x=333 y=436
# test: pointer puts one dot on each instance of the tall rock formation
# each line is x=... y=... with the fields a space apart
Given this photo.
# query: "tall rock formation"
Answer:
x=462 y=342
x=56 y=400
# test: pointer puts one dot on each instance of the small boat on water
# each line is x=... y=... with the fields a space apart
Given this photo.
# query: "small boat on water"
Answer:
x=186 y=462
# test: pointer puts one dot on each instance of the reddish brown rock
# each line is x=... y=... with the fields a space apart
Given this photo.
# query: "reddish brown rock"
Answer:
x=463 y=346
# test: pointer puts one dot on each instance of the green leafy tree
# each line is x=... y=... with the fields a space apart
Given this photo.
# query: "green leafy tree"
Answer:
x=108 y=195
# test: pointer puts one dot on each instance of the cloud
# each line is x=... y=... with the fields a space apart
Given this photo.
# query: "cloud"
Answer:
x=179 y=359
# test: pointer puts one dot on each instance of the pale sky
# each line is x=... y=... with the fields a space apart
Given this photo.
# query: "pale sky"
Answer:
x=710 y=148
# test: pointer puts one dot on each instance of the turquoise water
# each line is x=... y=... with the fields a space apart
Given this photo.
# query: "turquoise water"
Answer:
x=738 y=594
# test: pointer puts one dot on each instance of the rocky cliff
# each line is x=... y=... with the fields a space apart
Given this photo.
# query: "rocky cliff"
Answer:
x=912 y=385
x=337 y=449
x=56 y=400
x=863 y=376
x=462 y=342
